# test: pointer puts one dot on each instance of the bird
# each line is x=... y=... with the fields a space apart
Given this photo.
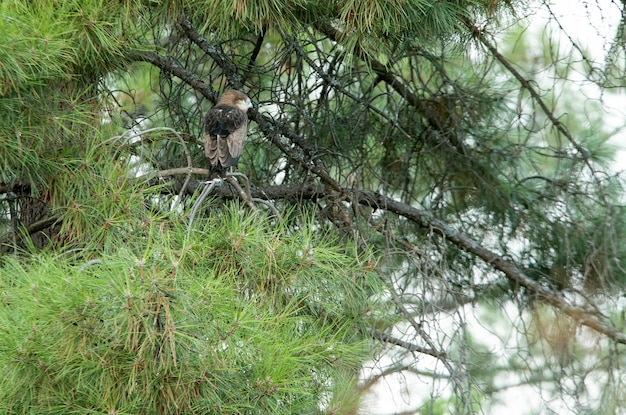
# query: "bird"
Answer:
x=225 y=131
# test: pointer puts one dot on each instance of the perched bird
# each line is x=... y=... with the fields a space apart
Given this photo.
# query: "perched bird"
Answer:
x=225 y=131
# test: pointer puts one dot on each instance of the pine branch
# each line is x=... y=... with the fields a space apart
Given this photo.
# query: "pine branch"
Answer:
x=386 y=338
x=172 y=66
x=586 y=315
x=215 y=51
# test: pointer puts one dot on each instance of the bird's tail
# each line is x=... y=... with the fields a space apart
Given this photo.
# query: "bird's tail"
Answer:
x=217 y=171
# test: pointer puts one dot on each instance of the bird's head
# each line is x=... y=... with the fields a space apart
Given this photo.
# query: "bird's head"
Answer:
x=244 y=103
x=237 y=99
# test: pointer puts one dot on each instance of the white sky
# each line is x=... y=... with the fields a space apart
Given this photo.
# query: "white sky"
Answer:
x=593 y=24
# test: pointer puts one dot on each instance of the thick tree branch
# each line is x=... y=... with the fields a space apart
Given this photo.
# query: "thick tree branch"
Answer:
x=512 y=272
x=170 y=65
x=215 y=51
x=586 y=316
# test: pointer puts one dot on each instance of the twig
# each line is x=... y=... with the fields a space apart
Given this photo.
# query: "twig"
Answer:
x=384 y=337
x=248 y=195
x=203 y=195
x=254 y=54
x=245 y=196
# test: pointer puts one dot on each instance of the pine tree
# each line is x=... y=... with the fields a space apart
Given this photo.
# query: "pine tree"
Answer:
x=458 y=167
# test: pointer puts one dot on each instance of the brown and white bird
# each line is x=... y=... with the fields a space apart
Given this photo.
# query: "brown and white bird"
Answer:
x=225 y=131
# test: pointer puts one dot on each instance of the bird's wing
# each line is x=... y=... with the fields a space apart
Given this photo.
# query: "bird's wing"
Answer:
x=225 y=129
x=236 y=140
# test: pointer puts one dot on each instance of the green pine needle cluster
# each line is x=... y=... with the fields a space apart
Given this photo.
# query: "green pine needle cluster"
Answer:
x=53 y=54
x=230 y=319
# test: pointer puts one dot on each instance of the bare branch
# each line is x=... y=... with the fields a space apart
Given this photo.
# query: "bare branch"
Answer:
x=386 y=338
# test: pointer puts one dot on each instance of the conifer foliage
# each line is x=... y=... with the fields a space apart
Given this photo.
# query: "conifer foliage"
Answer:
x=221 y=321
x=412 y=177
